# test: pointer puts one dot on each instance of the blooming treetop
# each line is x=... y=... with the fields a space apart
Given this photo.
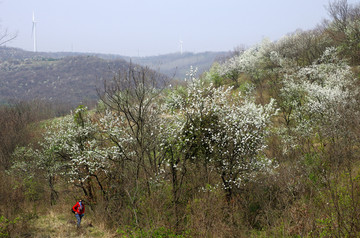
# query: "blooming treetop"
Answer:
x=318 y=94
x=233 y=129
x=248 y=62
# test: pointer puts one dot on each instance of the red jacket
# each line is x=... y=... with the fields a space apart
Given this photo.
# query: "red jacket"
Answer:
x=79 y=209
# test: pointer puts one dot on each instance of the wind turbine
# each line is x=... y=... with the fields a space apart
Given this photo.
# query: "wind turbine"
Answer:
x=181 y=46
x=34 y=31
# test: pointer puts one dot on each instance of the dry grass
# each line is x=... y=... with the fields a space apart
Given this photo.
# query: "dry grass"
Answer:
x=64 y=225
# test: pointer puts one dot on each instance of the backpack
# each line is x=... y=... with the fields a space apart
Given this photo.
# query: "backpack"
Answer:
x=72 y=211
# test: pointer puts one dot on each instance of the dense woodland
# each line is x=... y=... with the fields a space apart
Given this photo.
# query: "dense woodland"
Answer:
x=264 y=144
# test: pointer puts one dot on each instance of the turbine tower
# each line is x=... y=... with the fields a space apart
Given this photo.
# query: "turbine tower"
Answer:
x=34 y=31
x=181 y=46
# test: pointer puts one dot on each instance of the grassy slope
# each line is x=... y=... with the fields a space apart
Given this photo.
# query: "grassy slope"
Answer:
x=63 y=224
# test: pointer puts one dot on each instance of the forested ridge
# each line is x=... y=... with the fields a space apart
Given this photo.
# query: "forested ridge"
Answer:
x=73 y=78
x=70 y=80
x=263 y=144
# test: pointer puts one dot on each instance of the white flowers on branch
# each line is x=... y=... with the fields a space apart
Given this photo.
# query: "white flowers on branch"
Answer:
x=249 y=62
x=319 y=94
x=72 y=141
x=232 y=129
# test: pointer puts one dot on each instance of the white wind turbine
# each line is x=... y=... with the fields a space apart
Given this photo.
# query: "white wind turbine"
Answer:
x=181 y=46
x=34 y=31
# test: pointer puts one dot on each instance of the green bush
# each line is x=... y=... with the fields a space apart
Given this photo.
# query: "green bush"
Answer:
x=5 y=226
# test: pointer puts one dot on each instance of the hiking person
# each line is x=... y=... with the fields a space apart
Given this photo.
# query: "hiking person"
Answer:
x=79 y=209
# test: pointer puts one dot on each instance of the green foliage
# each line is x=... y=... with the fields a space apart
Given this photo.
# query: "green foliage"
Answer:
x=5 y=226
x=33 y=190
x=80 y=115
x=340 y=201
x=214 y=76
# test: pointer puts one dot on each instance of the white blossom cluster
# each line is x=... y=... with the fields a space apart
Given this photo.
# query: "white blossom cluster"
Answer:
x=131 y=136
x=72 y=146
x=249 y=62
x=113 y=130
x=318 y=94
x=233 y=128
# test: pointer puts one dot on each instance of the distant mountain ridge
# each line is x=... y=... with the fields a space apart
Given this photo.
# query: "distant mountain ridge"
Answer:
x=177 y=65
x=74 y=77
x=172 y=64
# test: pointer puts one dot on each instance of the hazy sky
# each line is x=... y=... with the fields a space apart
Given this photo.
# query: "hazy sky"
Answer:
x=153 y=27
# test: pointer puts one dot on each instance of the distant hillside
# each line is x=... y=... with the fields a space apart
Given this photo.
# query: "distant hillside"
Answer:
x=73 y=77
x=70 y=80
x=177 y=65
x=169 y=64
x=8 y=53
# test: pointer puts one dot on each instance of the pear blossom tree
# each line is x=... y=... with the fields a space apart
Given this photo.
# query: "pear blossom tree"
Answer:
x=70 y=148
x=254 y=63
x=124 y=146
x=75 y=142
x=177 y=153
x=72 y=141
x=248 y=62
x=323 y=127
x=30 y=163
x=228 y=132
x=317 y=96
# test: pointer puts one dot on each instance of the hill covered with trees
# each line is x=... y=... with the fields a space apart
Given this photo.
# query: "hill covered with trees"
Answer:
x=177 y=65
x=73 y=78
x=264 y=144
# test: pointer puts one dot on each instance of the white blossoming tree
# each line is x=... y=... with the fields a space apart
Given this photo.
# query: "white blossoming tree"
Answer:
x=228 y=131
x=322 y=133
x=248 y=62
x=316 y=97
x=76 y=141
x=254 y=63
x=71 y=149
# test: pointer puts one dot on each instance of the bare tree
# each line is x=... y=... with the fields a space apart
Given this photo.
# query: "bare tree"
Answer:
x=339 y=13
x=132 y=96
x=6 y=36
x=344 y=27
x=303 y=46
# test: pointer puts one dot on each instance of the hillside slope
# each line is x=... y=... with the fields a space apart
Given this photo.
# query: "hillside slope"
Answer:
x=74 y=77
x=177 y=65
x=70 y=80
